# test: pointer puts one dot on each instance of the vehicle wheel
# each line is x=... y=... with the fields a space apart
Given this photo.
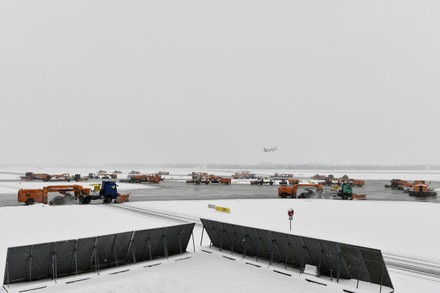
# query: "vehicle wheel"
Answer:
x=29 y=201
x=81 y=199
x=344 y=197
x=87 y=200
x=108 y=199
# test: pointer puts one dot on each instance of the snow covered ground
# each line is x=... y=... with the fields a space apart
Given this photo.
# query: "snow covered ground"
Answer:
x=408 y=229
x=403 y=228
x=382 y=225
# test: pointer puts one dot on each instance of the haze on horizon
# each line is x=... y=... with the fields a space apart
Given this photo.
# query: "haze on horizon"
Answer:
x=194 y=82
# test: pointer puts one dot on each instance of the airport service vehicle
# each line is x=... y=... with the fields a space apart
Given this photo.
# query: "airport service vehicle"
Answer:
x=205 y=178
x=36 y=176
x=262 y=181
x=107 y=192
x=292 y=190
x=422 y=190
x=138 y=178
x=399 y=184
x=346 y=192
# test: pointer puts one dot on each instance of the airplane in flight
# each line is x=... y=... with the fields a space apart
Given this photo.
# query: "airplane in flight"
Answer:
x=269 y=150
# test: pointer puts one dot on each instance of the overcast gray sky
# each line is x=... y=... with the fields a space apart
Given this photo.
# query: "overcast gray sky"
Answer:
x=210 y=81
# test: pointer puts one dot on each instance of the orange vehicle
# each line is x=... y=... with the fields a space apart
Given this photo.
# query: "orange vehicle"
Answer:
x=357 y=182
x=399 y=184
x=36 y=176
x=205 y=178
x=291 y=190
x=30 y=196
x=153 y=178
x=219 y=180
x=107 y=192
x=421 y=189
x=226 y=181
x=319 y=177
x=61 y=177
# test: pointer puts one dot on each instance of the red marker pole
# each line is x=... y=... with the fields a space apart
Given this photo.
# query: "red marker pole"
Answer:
x=290 y=213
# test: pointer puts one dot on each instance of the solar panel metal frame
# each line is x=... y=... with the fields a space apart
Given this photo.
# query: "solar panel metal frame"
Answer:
x=52 y=260
x=334 y=259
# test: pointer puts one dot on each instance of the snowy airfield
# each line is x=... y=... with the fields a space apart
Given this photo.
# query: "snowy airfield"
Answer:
x=406 y=229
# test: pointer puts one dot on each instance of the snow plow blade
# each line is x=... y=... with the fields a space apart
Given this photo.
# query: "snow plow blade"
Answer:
x=122 y=198
x=359 y=196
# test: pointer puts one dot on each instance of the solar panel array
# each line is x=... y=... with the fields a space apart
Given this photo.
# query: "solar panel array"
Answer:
x=71 y=257
x=334 y=259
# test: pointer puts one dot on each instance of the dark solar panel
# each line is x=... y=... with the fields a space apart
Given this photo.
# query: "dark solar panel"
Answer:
x=334 y=259
x=42 y=261
x=64 y=258
x=106 y=253
x=17 y=264
x=122 y=245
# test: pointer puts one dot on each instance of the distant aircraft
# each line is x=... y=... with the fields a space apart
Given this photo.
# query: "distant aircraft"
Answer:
x=269 y=150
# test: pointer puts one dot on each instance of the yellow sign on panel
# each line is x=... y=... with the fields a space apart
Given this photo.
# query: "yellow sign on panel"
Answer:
x=96 y=187
x=222 y=209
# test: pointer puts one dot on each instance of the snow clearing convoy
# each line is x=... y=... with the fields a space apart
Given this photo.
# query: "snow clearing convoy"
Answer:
x=107 y=192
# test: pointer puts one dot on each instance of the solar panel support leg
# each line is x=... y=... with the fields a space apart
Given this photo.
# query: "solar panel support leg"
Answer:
x=114 y=249
x=338 y=269
x=180 y=244
x=95 y=256
x=271 y=253
x=7 y=271
x=194 y=242
x=201 y=239
x=30 y=263
x=166 y=247
x=258 y=250
x=75 y=253
x=54 y=262
x=244 y=247
x=130 y=248
x=381 y=279
x=360 y=270
x=116 y=257
x=149 y=248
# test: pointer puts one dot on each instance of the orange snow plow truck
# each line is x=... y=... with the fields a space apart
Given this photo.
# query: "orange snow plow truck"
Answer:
x=107 y=193
x=291 y=190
